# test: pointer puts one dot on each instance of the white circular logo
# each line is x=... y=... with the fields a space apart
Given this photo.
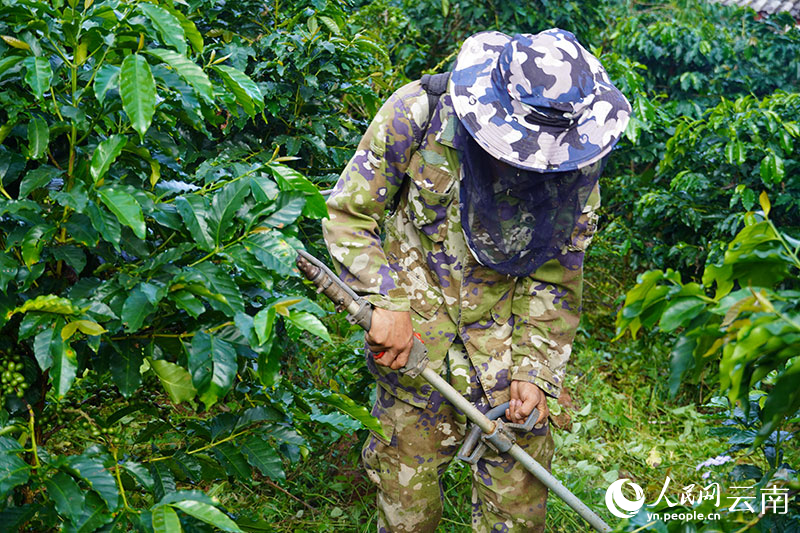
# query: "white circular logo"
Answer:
x=619 y=505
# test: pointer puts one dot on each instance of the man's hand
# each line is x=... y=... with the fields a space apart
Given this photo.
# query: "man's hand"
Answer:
x=524 y=397
x=391 y=332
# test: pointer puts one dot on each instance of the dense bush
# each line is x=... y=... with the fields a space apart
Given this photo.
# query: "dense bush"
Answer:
x=143 y=250
x=744 y=337
x=712 y=128
x=160 y=163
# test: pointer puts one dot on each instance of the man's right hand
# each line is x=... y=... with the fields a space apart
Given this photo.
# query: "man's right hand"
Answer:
x=391 y=332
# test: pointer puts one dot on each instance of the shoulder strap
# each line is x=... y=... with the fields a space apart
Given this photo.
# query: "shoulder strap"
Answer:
x=435 y=85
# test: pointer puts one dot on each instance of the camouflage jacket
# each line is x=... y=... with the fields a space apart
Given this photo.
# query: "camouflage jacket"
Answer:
x=404 y=178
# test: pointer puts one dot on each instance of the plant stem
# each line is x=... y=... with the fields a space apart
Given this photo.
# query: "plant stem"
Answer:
x=119 y=479
x=201 y=449
x=32 y=430
x=748 y=525
x=792 y=253
x=217 y=250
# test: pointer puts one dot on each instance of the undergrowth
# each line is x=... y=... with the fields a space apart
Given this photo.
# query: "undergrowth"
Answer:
x=616 y=420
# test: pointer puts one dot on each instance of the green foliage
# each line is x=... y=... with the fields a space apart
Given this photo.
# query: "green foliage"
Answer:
x=753 y=331
x=713 y=166
x=698 y=52
x=316 y=69
x=712 y=125
x=162 y=364
x=140 y=241
x=439 y=27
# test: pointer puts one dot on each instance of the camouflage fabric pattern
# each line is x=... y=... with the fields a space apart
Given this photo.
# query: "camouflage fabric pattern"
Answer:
x=512 y=328
x=421 y=443
x=538 y=102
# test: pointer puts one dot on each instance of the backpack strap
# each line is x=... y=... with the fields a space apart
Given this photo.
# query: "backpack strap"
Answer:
x=435 y=85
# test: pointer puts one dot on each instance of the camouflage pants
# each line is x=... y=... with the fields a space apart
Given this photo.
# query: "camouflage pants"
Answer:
x=422 y=442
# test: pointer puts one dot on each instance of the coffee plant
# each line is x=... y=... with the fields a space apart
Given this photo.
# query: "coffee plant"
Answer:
x=738 y=330
x=749 y=326
x=146 y=266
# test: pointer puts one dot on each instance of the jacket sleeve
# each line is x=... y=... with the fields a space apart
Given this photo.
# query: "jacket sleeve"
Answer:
x=369 y=183
x=547 y=309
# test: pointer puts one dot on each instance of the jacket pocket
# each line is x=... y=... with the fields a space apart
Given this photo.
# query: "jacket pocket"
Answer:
x=423 y=297
x=429 y=196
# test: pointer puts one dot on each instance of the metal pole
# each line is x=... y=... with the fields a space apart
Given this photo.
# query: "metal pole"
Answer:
x=558 y=488
x=530 y=464
x=461 y=403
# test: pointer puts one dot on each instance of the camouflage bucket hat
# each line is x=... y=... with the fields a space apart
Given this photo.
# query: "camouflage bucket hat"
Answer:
x=538 y=102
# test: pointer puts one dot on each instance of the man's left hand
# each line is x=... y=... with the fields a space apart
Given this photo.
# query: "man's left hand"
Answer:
x=526 y=396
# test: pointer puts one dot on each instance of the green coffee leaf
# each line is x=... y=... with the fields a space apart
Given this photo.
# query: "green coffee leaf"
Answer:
x=192 y=210
x=140 y=473
x=273 y=251
x=177 y=382
x=213 y=365
x=48 y=303
x=246 y=92
x=262 y=324
x=224 y=206
x=772 y=169
x=41 y=347
x=125 y=208
x=165 y=520
x=105 y=154
x=106 y=79
x=84 y=326
x=310 y=323
x=193 y=35
x=763 y=200
x=66 y=495
x=136 y=308
x=71 y=255
x=64 y=365
x=263 y=457
x=188 y=302
x=33 y=242
x=8 y=63
x=232 y=459
x=105 y=223
x=163 y=480
x=93 y=516
x=37 y=178
x=290 y=179
x=358 y=412
x=138 y=92
x=38 y=75
x=125 y=365
x=168 y=26
x=188 y=70
x=92 y=471
x=38 y=137
x=13 y=470
x=225 y=294
x=289 y=208
x=680 y=312
x=208 y=514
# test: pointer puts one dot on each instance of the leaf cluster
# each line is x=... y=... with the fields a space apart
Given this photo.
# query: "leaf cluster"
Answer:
x=750 y=326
